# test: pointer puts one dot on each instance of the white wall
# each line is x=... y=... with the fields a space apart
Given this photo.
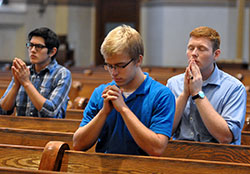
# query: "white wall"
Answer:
x=166 y=38
x=81 y=34
x=164 y=27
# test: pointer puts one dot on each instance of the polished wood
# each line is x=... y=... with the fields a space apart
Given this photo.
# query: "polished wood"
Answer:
x=52 y=155
x=35 y=123
x=33 y=137
x=240 y=29
x=245 y=137
x=9 y=170
x=85 y=162
x=20 y=156
x=208 y=151
x=74 y=114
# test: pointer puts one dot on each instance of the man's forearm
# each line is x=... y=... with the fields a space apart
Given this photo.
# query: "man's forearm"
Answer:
x=36 y=98
x=87 y=135
x=8 y=102
x=214 y=122
x=181 y=103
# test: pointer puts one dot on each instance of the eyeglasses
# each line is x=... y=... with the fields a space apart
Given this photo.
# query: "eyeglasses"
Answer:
x=117 y=66
x=38 y=47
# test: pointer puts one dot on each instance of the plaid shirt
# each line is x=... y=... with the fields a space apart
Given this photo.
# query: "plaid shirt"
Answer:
x=53 y=83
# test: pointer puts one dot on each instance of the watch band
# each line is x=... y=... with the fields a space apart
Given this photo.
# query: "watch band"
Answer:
x=195 y=96
x=199 y=95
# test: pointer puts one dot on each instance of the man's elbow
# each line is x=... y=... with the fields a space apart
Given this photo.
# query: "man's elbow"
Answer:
x=156 y=152
x=225 y=140
x=76 y=143
x=76 y=146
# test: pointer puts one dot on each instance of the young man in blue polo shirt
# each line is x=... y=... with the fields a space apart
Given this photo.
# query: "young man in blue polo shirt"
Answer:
x=133 y=114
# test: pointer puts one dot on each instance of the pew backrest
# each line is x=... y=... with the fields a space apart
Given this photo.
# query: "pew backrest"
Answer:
x=35 y=123
x=33 y=137
x=86 y=162
x=208 y=151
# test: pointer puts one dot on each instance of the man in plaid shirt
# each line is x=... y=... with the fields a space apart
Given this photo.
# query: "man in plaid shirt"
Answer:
x=41 y=89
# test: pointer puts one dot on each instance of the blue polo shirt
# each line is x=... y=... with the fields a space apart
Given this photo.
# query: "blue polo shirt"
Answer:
x=226 y=94
x=152 y=103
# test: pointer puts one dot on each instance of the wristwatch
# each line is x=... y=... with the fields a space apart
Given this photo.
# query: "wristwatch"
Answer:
x=199 y=95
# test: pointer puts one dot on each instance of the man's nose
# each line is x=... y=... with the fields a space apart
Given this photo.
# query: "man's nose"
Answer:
x=33 y=48
x=114 y=70
x=195 y=52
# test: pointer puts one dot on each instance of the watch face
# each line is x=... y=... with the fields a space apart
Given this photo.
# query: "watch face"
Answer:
x=201 y=94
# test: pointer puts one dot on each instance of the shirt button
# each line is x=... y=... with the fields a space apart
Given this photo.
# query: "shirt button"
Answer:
x=191 y=118
x=31 y=113
x=192 y=133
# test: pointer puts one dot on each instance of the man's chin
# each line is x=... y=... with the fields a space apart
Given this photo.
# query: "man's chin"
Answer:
x=32 y=61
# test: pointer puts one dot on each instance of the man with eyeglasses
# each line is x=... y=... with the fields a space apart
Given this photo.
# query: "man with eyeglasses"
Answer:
x=133 y=114
x=41 y=89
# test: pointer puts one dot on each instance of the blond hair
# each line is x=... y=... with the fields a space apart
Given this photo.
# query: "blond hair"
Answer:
x=123 y=40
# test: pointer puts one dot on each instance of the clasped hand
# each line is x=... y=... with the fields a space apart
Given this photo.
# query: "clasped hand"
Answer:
x=113 y=98
x=193 y=79
x=20 y=72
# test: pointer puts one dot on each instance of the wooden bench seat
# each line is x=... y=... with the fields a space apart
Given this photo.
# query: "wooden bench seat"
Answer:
x=195 y=159
x=24 y=159
x=85 y=162
x=19 y=156
x=208 y=151
x=10 y=170
x=35 y=123
x=33 y=137
x=74 y=114
x=245 y=137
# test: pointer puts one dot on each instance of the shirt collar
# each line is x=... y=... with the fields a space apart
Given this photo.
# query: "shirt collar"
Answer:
x=143 y=88
x=214 y=77
x=49 y=67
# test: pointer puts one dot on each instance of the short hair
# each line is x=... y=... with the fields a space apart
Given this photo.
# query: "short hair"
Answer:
x=123 y=40
x=209 y=33
x=50 y=38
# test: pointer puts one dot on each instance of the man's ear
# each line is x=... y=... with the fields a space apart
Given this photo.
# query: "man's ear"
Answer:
x=53 y=52
x=139 y=61
x=217 y=54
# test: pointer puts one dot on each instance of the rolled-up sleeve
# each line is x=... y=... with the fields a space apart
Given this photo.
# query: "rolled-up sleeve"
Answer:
x=234 y=112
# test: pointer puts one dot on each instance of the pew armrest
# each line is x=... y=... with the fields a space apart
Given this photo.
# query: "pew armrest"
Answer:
x=52 y=155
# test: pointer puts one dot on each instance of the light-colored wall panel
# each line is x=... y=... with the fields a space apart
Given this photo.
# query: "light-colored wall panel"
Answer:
x=164 y=27
x=166 y=38
x=81 y=34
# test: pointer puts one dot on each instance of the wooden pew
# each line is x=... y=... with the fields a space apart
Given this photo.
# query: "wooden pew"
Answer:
x=9 y=170
x=19 y=156
x=245 y=137
x=248 y=108
x=85 y=162
x=36 y=123
x=33 y=137
x=25 y=159
x=208 y=151
x=209 y=157
x=111 y=163
x=74 y=114
x=42 y=137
